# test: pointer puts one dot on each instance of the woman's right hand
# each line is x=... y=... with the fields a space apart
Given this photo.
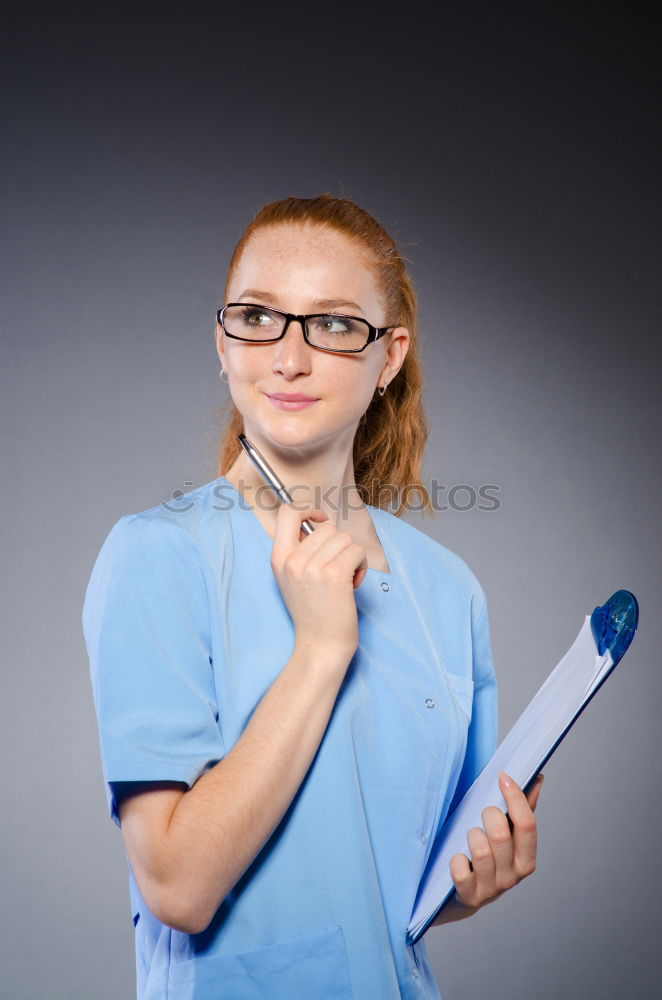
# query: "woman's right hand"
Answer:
x=317 y=577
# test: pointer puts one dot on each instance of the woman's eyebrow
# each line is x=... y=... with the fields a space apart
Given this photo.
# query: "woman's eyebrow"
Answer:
x=317 y=304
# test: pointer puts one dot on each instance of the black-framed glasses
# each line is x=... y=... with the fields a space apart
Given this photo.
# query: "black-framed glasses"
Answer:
x=328 y=331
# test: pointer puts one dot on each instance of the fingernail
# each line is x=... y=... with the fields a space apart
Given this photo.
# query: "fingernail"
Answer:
x=505 y=779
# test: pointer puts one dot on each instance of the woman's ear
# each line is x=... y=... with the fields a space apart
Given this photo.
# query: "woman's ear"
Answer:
x=397 y=349
x=219 y=341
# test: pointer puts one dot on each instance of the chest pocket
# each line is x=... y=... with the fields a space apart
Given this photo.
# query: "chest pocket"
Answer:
x=462 y=691
x=282 y=971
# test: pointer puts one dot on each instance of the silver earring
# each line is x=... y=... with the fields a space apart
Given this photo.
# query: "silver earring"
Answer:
x=381 y=390
x=220 y=375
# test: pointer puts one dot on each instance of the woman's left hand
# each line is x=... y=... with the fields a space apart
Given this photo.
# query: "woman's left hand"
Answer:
x=499 y=858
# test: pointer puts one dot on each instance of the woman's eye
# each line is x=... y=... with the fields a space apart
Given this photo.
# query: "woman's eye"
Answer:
x=334 y=324
x=252 y=316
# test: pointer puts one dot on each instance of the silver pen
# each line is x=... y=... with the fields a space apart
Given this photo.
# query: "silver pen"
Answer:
x=270 y=476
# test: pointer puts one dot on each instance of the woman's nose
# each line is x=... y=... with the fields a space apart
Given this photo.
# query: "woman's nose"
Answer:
x=291 y=352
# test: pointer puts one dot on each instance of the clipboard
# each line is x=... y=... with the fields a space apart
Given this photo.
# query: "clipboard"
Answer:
x=601 y=643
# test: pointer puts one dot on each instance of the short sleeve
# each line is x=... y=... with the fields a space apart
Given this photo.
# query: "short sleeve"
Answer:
x=483 y=728
x=147 y=632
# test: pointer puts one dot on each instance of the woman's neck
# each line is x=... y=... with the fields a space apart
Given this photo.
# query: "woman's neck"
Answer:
x=337 y=495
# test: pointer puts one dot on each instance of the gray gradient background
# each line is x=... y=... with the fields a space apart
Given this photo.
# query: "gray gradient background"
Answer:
x=513 y=155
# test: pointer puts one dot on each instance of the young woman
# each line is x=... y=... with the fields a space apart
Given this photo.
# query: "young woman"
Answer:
x=285 y=718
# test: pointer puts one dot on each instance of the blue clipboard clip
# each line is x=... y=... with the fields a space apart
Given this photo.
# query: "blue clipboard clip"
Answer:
x=613 y=624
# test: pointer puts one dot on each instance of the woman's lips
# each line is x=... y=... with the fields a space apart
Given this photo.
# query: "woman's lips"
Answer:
x=286 y=404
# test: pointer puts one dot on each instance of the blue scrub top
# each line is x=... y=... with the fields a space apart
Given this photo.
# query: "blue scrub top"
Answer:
x=186 y=630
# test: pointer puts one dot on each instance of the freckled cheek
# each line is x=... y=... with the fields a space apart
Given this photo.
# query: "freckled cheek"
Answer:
x=247 y=369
